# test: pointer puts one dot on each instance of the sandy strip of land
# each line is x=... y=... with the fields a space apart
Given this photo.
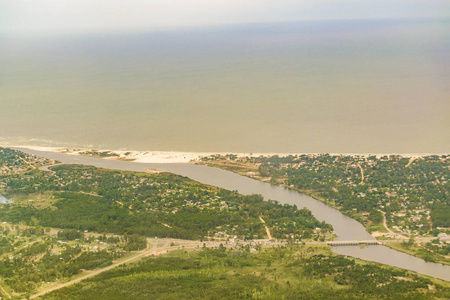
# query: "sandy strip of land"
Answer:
x=185 y=157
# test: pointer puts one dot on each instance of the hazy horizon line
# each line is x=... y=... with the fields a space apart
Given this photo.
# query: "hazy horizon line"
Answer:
x=189 y=28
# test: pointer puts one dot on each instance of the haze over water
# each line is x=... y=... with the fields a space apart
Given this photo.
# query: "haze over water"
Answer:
x=335 y=86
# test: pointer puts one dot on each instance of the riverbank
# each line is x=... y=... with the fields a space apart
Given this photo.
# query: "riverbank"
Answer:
x=419 y=251
x=280 y=171
x=345 y=227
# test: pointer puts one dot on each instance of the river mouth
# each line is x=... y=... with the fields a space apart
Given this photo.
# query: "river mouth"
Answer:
x=346 y=228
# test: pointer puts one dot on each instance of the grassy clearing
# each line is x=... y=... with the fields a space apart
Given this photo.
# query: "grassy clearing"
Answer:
x=38 y=200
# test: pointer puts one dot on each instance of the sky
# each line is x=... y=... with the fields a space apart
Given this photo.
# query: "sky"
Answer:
x=67 y=17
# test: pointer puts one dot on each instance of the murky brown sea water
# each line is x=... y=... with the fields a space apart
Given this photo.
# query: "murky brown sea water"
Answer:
x=348 y=86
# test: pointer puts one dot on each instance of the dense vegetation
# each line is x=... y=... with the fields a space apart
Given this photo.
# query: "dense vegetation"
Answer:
x=31 y=256
x=413 y=193
x=128 y=207
x=163 y=205
x=299 y=272
x=83 y=199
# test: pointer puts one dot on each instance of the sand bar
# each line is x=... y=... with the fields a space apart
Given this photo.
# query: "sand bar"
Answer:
x=186 y=157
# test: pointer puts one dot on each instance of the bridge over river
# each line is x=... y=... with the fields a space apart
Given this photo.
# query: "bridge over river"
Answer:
x=353 y=243
x=347 y=230
x=376 y=242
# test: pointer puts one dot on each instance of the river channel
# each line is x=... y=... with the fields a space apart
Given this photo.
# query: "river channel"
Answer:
x=345 y=228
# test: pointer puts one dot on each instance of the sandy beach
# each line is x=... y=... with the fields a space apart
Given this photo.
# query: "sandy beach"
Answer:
x=185 y=157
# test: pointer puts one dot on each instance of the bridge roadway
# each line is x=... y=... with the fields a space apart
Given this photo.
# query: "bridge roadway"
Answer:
x=353 y=243
x=377 y=242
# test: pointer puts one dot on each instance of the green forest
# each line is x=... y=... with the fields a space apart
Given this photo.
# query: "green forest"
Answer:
x=414 y=193
x=162 y=205
x=74 y=219
x=77 y=218
x=410 y=193
x=295 y=272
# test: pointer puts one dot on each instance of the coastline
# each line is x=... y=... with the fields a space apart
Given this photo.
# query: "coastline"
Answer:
x=227 y=182
x=163 y=157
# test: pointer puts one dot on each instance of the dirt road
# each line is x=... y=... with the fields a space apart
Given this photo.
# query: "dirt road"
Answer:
x=267 y=228
x=152 y=251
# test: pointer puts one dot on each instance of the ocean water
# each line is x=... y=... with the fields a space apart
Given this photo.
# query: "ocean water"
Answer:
x=335 y=86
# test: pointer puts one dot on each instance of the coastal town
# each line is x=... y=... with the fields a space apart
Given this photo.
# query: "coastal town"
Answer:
x=395 y=197
x=66 y=223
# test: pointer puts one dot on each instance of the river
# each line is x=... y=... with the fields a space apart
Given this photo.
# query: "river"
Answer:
x=345 y=227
